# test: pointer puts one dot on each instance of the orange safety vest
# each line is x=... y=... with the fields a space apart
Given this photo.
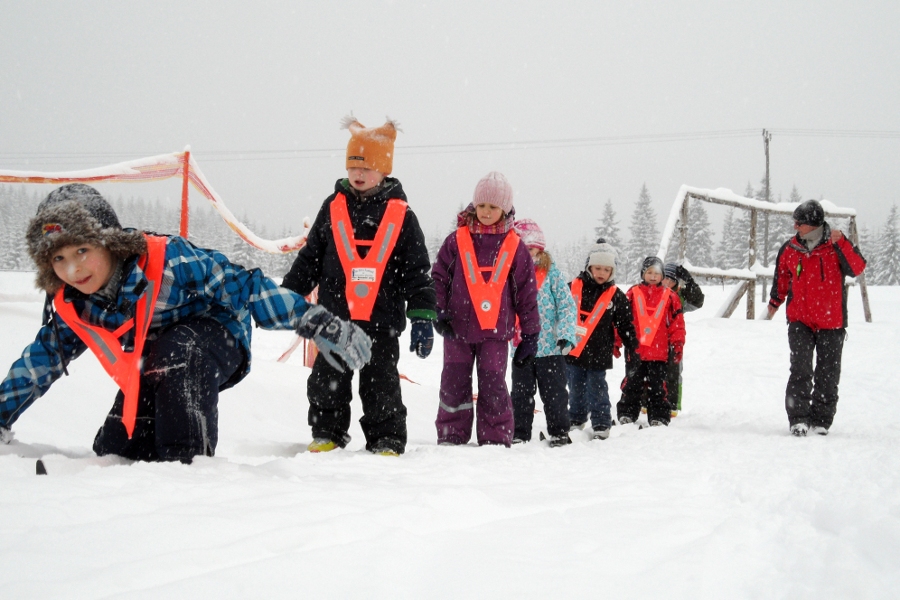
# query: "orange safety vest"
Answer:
x=487 y=295
x=649 y=324
x=587 y=322
x=124 y=367
x=540 y=275
x=363 y=275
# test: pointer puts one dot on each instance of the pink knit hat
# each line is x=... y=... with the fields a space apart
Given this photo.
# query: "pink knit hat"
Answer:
x=530 y=234
x=494 y=189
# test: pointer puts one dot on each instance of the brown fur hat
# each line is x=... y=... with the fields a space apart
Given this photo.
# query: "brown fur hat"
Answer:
x=76 y=214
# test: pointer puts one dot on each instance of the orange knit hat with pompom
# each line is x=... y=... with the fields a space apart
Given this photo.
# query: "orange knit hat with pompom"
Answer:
x=370 y=148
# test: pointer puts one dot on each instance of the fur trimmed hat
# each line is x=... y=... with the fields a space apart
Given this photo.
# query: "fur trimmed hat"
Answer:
x=494 y=189
x=370 y=148
x=602 y=254
x=76 y=214
x=530 y=234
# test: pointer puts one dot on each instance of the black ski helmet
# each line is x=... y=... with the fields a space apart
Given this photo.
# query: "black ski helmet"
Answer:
x=810 y=213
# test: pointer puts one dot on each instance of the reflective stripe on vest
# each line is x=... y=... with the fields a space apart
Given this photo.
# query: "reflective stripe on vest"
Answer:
x=363 y=275
x=487 y=295
x=649 y=324
x=123 y=367
x=585 y=328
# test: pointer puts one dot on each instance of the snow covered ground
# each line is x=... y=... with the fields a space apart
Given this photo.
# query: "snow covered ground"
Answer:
x=724 y=503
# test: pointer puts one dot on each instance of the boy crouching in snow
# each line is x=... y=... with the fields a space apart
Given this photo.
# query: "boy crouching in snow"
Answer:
x=169 y=322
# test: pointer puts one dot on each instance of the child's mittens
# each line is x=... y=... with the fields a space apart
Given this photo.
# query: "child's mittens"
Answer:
x=565 y=346
x=421 y=337
x=526 y=350
x=678 y=353
x=336 y=336
x=443 y=326
x=6 y=435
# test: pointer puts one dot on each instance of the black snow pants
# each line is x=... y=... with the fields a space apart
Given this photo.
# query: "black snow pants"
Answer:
x=547 y=373
x=649 y=374
x=812 y=393
x=177 y=415
x=384 y=415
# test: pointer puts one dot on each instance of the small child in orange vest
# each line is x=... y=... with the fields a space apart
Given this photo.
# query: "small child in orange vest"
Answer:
x=659 y=324
x=603 y=312
x=169 y=322
x=366 y=253
x=484 y=277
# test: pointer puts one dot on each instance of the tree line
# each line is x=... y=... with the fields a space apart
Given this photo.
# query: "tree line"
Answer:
x=207 y=230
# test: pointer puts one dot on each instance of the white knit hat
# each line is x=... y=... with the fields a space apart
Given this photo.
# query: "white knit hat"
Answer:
x=602 y=254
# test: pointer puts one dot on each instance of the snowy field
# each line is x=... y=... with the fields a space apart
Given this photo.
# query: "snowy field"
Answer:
x=724 y=503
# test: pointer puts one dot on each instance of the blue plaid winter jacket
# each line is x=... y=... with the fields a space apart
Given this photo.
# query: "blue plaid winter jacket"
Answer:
x=196 y=283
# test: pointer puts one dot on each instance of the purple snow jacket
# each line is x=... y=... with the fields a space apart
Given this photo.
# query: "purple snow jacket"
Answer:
x=453 y=301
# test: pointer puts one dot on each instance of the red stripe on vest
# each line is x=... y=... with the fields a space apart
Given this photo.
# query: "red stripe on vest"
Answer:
x=364 y=275
x=123 y=367
x=487 y=295
x=587 y=322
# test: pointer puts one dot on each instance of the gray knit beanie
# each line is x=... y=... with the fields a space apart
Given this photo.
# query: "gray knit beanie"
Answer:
x=602 y=254
x=76 y=214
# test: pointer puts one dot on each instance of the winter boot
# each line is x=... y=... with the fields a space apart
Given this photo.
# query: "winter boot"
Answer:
x=321 y=445
x=818 y=429
x=600 y=434
x=558 y=440
x=799 y=429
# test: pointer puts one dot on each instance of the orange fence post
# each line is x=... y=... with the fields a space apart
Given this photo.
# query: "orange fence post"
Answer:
x=183 y=231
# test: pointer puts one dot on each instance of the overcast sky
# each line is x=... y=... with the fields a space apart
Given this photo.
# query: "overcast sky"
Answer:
x=258 y=90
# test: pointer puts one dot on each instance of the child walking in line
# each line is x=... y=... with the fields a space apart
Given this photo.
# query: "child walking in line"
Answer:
x=603 y=310
x=367 y=254
x=484 y=279
x=169 y=322
x=660 y=327
x=547 y=371
x=680 y=281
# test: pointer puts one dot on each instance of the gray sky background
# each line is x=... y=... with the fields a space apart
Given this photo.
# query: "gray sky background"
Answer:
x=258 y=90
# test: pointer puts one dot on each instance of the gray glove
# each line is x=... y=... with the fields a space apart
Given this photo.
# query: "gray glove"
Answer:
x=6 y=435
x=335 y=336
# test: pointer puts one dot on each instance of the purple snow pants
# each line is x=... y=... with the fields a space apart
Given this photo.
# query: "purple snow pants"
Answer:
x=494 y=418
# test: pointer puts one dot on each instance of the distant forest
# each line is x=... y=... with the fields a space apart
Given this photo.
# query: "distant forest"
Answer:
x=207 y=230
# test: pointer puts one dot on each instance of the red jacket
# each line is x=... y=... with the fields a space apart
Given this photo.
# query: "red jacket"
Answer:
x=813 y=282
x=671 y=329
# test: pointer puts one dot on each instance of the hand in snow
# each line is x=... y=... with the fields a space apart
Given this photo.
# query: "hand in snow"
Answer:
x=421 y=337
x=336 y=336
x=6 y=435
x=678 y=354
x=565 y=346
x=526 y=350
x=771 y=313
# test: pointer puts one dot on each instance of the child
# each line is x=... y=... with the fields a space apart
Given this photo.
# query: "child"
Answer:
x=603 y=310
x=484 y=279
x=367 y=254
x=660 y=327
x=677 y=279
x=168 y=321
x=557 y=336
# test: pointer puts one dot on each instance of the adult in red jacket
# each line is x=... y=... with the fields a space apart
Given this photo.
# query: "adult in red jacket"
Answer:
x=809 y=275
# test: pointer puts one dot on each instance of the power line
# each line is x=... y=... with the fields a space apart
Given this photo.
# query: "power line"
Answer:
x=468 y=147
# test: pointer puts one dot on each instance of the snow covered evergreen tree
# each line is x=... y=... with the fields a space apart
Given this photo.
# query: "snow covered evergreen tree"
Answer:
x=887 y=252
x=644 y=240
x=729 y=254
x=700 y=248
x=867 y=247
x=609 y=226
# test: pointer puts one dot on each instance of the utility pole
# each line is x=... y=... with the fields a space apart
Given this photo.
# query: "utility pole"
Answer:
x=766 y=137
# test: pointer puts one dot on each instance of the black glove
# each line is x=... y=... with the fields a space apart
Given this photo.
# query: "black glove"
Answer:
x=6 y=435
x=564 y=346
x=444 y=329
x=526 y=350
x=421 y=337
x=336 y=336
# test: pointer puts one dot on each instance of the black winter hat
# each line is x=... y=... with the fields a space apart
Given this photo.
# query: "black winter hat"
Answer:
x=76 y=214
x=810 y=213
x=650 y=262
